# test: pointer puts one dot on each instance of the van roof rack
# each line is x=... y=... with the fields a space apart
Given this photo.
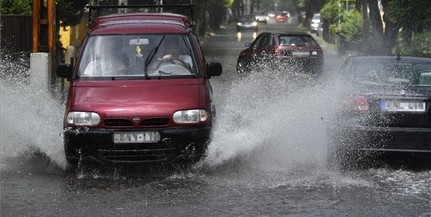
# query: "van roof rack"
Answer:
x=95 y=11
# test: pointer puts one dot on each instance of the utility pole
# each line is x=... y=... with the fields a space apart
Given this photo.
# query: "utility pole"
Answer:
x=43 y=56
x=43 y=25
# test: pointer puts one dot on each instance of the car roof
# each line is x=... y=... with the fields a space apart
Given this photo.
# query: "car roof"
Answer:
x=403 y=59
x=288 y=33
x=134 y=23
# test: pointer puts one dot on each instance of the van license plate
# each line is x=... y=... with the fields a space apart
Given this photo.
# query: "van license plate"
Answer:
x=136 y=137
x=397 y=106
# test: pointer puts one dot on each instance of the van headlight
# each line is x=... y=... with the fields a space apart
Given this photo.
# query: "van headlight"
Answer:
x=83 y=118
x=190 y=116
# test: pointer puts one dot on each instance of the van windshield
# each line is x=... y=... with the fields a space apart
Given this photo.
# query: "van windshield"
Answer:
x=146 y=56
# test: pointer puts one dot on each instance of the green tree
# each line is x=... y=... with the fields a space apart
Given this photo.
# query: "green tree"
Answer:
x=330 y=14
x=408 y=24
x=17 y=7
x=70 y=12
x=346 y=24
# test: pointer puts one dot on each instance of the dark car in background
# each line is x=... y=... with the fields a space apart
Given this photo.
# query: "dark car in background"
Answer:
x=247 y=23
x=384 y=110
x=296 y=51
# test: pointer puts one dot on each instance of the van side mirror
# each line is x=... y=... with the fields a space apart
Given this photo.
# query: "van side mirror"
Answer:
x=64 y=70
x=214 y=69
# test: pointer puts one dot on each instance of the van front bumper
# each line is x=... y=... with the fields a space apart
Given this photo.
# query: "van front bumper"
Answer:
x=176 y=144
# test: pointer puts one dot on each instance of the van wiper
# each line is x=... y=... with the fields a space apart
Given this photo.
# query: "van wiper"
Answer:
x=151 y=56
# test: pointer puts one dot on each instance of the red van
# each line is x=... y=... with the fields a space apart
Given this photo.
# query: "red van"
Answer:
x=139 y=92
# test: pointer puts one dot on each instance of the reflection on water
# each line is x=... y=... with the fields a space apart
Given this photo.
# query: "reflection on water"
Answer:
x=241 y=36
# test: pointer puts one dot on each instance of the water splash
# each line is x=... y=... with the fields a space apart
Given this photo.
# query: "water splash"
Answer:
x=274 y=120
x=31 y=119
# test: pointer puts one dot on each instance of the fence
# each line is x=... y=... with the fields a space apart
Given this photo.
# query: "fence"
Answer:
x=16 y=34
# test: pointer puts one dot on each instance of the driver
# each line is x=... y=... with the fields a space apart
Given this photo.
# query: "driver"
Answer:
x=172 y=53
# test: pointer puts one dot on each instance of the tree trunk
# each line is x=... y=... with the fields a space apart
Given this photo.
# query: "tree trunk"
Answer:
x=391 y=32
x=365 y=28
x=377 y=27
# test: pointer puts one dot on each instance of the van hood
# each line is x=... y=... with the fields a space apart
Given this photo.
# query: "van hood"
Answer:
x=154 y=99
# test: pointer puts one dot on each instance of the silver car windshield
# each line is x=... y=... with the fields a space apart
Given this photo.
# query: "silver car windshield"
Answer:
x=160 y=55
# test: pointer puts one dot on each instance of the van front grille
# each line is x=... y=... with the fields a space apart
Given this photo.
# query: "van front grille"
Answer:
x=144 y=123
x=155 y=122
x=117 y=123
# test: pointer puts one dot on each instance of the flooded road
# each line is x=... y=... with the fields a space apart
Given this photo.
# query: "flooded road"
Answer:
x=267 y=157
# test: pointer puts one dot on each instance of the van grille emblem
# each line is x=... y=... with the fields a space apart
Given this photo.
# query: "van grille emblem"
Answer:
x=136 y=119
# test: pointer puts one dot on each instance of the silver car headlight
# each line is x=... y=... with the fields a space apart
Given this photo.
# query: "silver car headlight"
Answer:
x=254 y=23
x=190 y=116
x=83 y=118
x=239 y=24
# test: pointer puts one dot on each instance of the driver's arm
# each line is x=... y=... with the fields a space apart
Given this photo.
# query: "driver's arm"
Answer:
x=187 y=59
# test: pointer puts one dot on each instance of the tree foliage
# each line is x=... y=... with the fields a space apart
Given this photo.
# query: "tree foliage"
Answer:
x=350 y=26
x=17 y=7
x=417 y=47
x=70 y=12
x=405 y=25
x=346 y=24
x=330 y=12
x=413 y=15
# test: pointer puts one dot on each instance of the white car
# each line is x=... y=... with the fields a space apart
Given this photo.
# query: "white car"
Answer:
x=271 y=16
x=260 y=17
x=315 y=23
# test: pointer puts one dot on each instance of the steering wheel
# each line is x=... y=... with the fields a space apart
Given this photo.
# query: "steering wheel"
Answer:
x=172 y=66
x=173 y=60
